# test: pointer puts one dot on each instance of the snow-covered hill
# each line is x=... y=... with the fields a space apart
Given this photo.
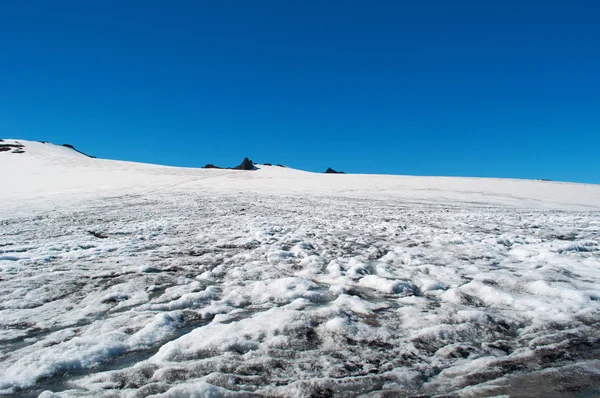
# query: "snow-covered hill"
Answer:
x=128 y=279
x=47 y=171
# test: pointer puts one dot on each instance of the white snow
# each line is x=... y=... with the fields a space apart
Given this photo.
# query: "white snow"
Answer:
x=198 y=389
x=126 y=279
x=56 y=173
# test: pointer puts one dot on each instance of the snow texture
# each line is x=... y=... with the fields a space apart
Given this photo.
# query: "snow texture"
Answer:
x=125 y=279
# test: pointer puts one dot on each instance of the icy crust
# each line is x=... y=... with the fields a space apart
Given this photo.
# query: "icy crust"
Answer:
x=194 y=295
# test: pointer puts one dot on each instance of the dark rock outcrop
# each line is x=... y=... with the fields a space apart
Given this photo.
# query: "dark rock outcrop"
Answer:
x=332 y=171
x=76 y=150
x=246 y=165
x=280 y=165
x=15 y=148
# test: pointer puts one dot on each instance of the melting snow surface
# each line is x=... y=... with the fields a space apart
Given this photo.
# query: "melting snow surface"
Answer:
x=125 y=279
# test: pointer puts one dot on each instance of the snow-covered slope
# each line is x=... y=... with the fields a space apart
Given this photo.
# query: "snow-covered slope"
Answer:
x=127 y=279
x=51 y=171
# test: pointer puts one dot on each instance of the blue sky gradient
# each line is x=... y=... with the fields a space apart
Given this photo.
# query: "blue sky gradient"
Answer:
x=473 y=88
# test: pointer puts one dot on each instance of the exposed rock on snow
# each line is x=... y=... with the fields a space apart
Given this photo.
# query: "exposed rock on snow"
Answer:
x=332 y=171
x=19 y=147
x=15 y=148
x=211 y=166
x=245 y=165
x=73 y=148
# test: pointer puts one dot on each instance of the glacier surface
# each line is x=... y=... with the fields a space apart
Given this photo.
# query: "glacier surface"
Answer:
x=126 y=279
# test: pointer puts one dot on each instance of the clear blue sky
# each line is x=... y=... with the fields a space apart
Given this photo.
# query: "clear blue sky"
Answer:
x=475 y=88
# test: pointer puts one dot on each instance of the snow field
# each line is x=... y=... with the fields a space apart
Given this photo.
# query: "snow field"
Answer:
x=287 y=296
x=124 y=279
